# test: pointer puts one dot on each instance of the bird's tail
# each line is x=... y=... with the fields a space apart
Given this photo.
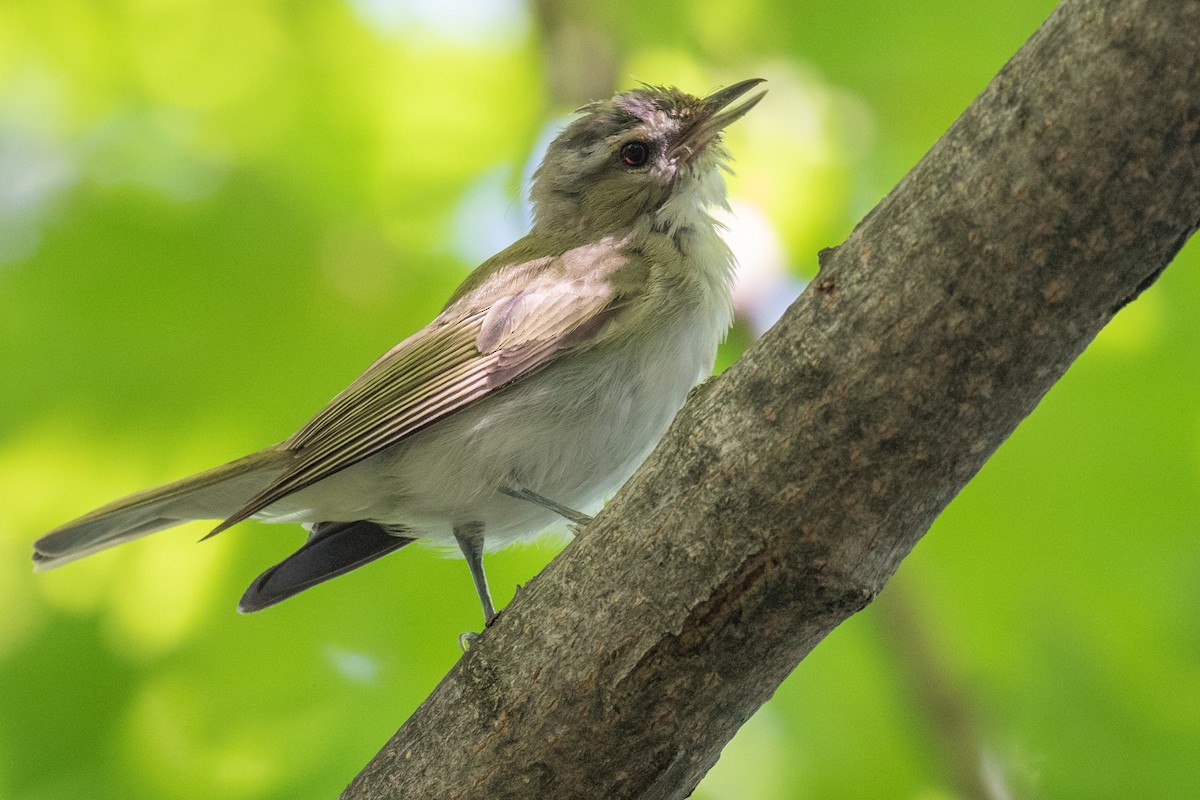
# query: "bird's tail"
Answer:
x=214 y=494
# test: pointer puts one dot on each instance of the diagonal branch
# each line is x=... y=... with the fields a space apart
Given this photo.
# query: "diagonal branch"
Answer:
x=790 y=488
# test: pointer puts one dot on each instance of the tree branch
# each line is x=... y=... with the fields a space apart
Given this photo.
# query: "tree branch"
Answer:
x=790 y=488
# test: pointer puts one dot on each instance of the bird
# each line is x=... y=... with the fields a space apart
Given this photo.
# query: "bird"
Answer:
x=544 y=382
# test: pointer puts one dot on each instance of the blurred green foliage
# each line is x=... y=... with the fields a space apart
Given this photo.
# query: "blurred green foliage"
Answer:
x=214 y=214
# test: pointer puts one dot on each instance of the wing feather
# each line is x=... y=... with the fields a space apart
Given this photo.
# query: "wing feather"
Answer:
x=460 y=358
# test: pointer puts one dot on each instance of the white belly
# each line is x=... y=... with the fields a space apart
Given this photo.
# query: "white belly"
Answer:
x=572 y=433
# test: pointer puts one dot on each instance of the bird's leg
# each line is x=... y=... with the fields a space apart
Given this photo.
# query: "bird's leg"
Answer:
x=521 y=493
x=470 y=542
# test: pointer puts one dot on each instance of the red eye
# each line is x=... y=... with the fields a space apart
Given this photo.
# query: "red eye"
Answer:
x=635 y=154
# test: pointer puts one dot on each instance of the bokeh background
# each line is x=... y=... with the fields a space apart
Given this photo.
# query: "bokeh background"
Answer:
x=215 y=213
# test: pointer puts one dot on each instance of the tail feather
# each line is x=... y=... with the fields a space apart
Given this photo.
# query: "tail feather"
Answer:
x=214 y=494
x=73 y=543
x=333 y=549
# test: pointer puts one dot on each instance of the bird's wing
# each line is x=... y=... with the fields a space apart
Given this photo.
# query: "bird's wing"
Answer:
x=464 y=355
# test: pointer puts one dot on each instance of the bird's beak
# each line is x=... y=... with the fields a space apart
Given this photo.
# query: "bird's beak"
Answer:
x=713 y=115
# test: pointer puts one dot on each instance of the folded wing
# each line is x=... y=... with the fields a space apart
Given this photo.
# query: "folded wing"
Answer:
x=463 y=356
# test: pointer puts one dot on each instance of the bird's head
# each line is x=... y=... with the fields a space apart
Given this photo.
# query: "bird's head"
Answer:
x=625 y=158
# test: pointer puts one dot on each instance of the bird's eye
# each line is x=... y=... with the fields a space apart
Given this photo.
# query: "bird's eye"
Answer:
x=635 y=154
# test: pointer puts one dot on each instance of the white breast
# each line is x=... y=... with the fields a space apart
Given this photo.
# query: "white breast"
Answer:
x=573 y=432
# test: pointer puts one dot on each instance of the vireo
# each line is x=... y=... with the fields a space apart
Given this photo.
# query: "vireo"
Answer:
x=541 y=386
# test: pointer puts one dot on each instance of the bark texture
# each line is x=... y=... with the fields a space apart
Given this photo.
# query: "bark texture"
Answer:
x=790 y=488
